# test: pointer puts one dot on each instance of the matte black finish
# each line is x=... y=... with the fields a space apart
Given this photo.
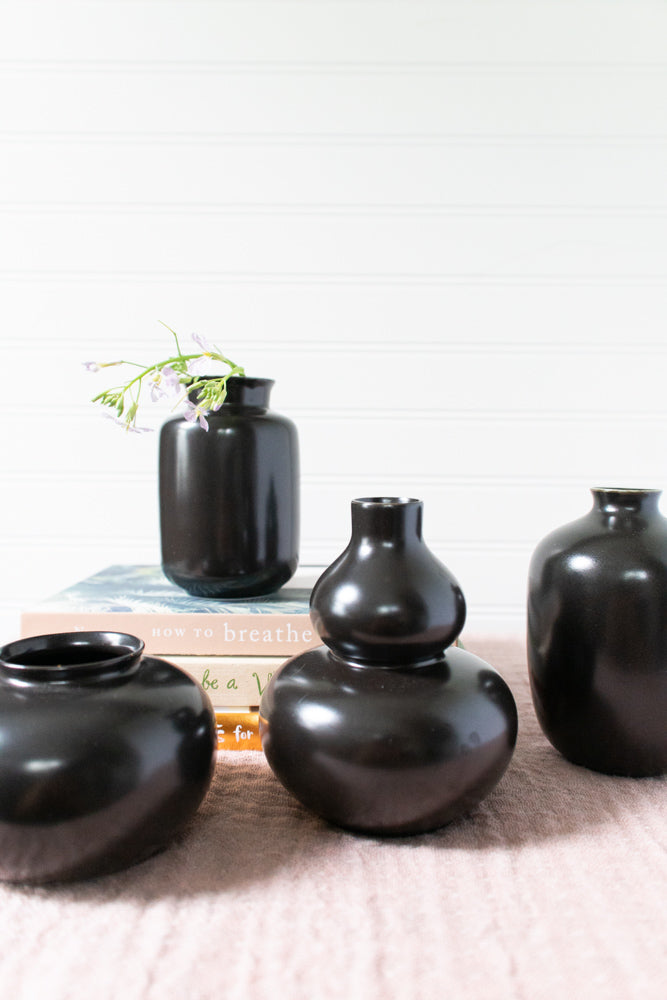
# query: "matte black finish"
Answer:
x=402 y=744
x=597 y=635
x=229 y=497
x=105 y=755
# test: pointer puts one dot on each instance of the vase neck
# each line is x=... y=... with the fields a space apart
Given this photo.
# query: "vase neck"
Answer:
x=244 y=393
x=387 y=519
x=624 y=503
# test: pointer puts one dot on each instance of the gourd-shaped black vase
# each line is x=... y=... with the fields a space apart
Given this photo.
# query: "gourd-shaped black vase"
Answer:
x=597 y=635
x=388 y=728
x=106 y=755
x=229 y=497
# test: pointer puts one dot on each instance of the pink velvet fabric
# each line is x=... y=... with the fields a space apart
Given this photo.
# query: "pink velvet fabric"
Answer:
x=555 y=887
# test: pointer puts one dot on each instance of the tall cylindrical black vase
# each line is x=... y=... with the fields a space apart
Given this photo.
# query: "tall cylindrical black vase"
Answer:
x=229 y=497
x=597 y=635
x=387 y=728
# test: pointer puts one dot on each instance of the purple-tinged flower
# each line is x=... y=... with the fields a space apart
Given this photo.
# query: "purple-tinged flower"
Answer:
x=96 y=366
x=164 y=382
x=198 y=366
x=194 y=413
x=204 y=344
x=129 y=427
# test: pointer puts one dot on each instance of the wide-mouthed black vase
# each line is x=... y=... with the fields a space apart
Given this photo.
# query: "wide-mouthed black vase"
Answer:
x=229 y=497
x=597 y=635
x=388 y=728
x=105 y=755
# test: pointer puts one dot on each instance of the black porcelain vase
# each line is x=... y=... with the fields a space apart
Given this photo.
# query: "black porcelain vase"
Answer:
x=106 y=755
x=597 y=635
x=229 y=497
x=388 y=728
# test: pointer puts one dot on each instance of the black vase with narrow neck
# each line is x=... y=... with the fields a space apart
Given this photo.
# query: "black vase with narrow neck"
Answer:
x=387 y=599
x=388 y=727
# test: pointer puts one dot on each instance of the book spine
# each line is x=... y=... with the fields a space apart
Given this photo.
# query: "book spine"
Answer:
x=188 y=633
x=235 y=681
x=238 y=730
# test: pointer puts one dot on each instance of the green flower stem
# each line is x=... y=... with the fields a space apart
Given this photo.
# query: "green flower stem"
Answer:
x=213 y=395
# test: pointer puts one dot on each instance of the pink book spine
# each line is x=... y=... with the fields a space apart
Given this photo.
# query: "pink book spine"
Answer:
x=189 y=634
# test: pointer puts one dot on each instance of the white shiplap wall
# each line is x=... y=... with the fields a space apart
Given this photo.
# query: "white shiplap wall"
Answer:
x=440 y=225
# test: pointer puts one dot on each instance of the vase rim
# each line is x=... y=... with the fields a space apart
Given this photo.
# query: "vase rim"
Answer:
x=248 y=379
x=386 y=502
x=629 y=490
x=92 y=654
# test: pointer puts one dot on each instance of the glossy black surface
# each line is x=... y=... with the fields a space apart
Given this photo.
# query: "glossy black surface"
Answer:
x=105 y=755
x=597 y=635
x=387 y=599
x=387 y=731
x=229 y=497
x=388 y=750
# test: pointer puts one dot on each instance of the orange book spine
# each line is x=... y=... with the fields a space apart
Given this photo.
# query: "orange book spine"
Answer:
x=238 y=730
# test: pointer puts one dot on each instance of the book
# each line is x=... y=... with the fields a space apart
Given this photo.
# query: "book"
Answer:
x=141 y=601
x=235 y=681
x=238 y=730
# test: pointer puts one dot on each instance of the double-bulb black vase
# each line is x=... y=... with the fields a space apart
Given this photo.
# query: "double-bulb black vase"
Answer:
x=597 y=635
x=106 y=755
x=388 y=728
x=229 y=497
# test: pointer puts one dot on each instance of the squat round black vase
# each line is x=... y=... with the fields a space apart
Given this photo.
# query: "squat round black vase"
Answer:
x=597 y=635
x=229 y=497
x=388 y=728
x=106 y=755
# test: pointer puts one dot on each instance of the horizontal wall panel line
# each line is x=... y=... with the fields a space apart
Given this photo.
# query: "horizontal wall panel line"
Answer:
x=514 y=280
x=110 y=538
x=423 y=139
x=480 y=484
x=331 y=67
x=439 y=414
x=496 y=348
x=383 y=416
x=360 y=210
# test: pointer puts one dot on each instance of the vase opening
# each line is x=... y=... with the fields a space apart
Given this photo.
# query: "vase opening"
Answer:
x=386 y=501
x=69 y=656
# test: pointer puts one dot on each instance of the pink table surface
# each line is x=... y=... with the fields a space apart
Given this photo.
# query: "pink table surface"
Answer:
x=555 y=887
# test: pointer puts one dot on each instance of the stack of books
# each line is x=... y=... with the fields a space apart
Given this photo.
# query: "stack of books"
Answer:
x=231 y=647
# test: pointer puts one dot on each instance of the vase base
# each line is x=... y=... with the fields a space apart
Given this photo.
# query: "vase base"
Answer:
x=261 y=584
